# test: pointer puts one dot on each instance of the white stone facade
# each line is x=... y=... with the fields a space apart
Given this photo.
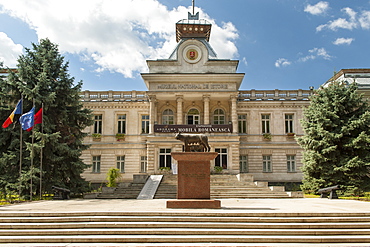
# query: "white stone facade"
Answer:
x=253 y=131
x=209 y=97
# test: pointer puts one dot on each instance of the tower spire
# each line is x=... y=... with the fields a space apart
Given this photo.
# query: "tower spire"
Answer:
x=193 y=6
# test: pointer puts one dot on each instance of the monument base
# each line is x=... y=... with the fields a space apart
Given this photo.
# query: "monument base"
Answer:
x=194 y=203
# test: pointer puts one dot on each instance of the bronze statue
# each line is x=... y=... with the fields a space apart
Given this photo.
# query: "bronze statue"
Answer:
x=194 y=142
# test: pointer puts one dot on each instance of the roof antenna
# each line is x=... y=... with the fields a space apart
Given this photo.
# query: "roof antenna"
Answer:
x=193 y=16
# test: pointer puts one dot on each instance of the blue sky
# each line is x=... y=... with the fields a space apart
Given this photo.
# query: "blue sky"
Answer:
x=281 y=44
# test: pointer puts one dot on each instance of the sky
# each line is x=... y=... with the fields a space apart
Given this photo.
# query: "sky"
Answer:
x=280 y=44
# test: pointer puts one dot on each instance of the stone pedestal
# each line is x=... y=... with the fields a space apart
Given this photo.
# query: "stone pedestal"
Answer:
x=193 y=184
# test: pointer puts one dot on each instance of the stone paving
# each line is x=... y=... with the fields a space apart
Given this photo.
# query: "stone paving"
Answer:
x=301 y=205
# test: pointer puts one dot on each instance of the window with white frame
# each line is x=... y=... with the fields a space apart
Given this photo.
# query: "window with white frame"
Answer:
x=143 y=163
x=265 y=123
x=165 y=157
x=289 y=124
x=219 y=116
x=96 y=164
x=168 y=117
x=290 y=163
x=98 y=124
x=266 y=163
x=193 y=116
x=121 y=163
x=221 y=159
x=121 y=124
x=242 y=124
x=145 y=124
x=243 y=163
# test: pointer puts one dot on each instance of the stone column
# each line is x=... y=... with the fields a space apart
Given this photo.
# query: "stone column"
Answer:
x=234 y=114
x=179 y=100
x=152 y=110
x=206 y=109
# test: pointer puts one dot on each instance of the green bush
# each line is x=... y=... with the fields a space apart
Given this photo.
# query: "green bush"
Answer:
x=112 y=175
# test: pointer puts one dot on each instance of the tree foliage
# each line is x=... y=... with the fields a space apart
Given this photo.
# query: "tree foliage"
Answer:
x=336 y=141
x=43 y=78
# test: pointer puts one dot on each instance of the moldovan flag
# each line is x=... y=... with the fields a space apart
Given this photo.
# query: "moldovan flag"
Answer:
x=37 y=119
x=17 y=110
x=27 y=119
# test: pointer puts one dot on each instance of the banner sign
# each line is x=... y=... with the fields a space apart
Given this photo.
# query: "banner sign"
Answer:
x=196 y=128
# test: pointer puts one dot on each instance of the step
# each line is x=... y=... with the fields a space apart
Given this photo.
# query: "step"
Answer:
x=147 y=238
x=184 y=227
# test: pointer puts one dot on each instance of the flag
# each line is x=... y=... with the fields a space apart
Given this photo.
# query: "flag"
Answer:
x=27 y=120
x=17 y=110
x=37 y=119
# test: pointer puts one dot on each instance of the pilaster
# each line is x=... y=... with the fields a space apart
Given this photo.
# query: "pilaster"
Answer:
x=206 y=108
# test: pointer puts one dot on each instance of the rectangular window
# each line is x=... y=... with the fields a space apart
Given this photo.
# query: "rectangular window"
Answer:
x=121 y=163
x=242 y=124
x=267 y=165
x=145 y=124
x=290 y=163
x=98 y=124
x=121 y=124
x=143 y=163
x=243 y=163
x=221 y=159
x=165 y=157
x=96 y=164
x=289 y=126
x=265 y=123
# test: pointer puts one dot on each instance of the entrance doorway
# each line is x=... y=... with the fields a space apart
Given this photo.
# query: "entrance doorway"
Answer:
x=193 y=116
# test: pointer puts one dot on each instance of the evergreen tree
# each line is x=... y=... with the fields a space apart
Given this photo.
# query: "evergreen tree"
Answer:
x=43 y=78
x=336 y=141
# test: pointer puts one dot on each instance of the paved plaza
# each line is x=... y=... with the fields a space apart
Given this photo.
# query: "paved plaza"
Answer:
x=301 y=205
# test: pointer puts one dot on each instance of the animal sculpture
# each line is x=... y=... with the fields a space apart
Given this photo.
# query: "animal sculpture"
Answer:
x=190 y=140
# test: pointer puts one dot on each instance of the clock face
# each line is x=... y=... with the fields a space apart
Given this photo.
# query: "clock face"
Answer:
x=192 y=54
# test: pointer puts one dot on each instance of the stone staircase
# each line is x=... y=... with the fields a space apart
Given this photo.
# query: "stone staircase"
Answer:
x=228 y=186
x=167 y=188
x=127 y=191
x=184 y=228
x=224 y=186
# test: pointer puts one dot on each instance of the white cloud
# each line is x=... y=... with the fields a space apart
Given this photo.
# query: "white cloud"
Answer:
x=365 y=20
x=244 y=60
x=118 y=35
x=316 y=53
x=343 y=23
x=9 y=52
x=282 y=62
x=317 y=9
x=343 y=41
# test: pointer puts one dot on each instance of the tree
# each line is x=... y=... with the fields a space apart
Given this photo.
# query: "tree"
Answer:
x=336 y=141
x=43 y=78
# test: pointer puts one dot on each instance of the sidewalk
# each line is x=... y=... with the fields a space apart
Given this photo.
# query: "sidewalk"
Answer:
x=301 y=205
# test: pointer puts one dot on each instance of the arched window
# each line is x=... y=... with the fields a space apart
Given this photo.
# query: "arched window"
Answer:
x=193 y=116
x=167 y=117
x=219 y=116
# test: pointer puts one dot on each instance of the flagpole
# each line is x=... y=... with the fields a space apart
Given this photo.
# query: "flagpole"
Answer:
x=20 y=154
x=42 y=146
x=32 y=155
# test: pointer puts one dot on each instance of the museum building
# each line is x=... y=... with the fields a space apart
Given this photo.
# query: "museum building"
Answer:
x=253 y=131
